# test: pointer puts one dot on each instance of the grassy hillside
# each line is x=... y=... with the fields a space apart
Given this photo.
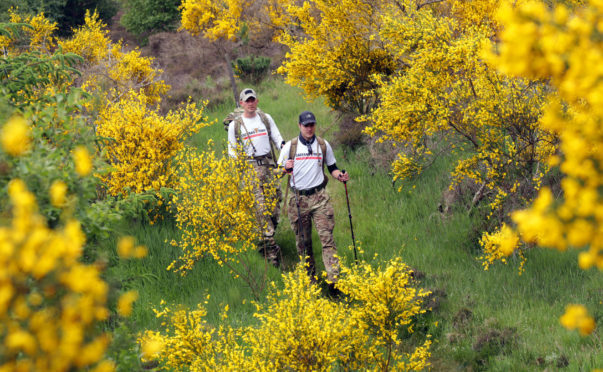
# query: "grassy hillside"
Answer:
x=481 y=320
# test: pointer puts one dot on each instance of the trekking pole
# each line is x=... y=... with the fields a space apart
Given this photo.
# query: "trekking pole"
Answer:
x=345 y=184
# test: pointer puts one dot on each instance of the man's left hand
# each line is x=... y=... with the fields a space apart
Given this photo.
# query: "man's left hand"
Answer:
x=342 y=177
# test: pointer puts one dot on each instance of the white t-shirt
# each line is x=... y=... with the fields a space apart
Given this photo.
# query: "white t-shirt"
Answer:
x=307 y=168
x=254 y=131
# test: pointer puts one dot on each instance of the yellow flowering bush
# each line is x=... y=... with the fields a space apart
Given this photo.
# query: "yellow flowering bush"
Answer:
x=215 y=208
x=216 y=20
x=563 y=45
x=38 y=34
x=45 y=128
x=15 y=136
x=33 y=70
x=49 y=302
x=300 y=330
x=141 y=143
x=109 y=72
x=445 y=99
x=188 y=341
x=384 y=301
x=335 y=50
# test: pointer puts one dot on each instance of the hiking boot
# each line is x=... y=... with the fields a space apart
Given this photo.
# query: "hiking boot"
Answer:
x=272 y=255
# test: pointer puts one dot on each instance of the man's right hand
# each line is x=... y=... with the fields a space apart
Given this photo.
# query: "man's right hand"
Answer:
x=289 y=166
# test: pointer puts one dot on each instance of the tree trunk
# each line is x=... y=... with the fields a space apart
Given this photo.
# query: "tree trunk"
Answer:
x=231 y=76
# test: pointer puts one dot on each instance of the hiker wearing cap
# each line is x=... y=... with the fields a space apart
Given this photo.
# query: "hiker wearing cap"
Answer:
x=252 y=131
x=303 y=157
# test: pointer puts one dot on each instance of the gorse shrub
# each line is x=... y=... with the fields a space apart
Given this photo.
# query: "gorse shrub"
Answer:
x=561 y=46
x=217 y=212
x=215 y=208
x=301 y=330
x=51 y=302
x=140 y=143
x=107 y=71
x=37 y=92
x=447 y=100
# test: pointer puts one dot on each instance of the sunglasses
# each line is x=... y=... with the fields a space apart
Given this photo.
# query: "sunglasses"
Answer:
x=309 y=125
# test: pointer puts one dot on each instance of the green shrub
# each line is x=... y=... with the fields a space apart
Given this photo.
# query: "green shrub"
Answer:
x=143 y=17
x=252 y=69
x=67 y=13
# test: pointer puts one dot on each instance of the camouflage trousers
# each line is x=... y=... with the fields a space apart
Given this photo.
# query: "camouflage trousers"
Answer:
x=317 y=208
x=265 y=189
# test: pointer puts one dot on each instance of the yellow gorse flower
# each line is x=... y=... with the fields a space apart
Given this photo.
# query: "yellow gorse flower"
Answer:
x=576 y=317
x=301 y=330
x=49 y=301
x=216 y=208
x=83 y=162
x=58 y=192
x=40 y=34
x=15 y=136
x=126 y=248
x=124 y=304
x=144 y=142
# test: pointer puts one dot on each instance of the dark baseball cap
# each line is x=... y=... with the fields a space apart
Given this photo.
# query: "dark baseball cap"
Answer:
x=306 y=118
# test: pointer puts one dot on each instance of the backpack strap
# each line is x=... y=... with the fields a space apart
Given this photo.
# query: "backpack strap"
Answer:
x=293 y=148
x=323 y=148
x=321 y=143
x=238 y=122
x=266 y=123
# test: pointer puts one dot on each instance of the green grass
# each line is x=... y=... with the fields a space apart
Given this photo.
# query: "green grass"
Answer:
x=477 y=310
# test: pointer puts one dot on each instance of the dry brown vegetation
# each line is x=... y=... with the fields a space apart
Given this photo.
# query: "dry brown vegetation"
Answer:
x=191 y=65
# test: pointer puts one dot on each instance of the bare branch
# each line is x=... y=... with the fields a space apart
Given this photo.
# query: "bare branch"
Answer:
x=429 y=2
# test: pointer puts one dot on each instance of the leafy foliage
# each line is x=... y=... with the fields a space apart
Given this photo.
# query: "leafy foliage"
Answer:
x=561 y=45
x=108 y=72
x=51 y=302
x=252 y=69
x=67 y=14
x=142 y=17
x=301 y=330
x=140 y=143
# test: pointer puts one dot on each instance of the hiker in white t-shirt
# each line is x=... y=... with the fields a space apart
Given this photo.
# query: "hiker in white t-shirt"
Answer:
x=252 y=131
x=303 y=157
